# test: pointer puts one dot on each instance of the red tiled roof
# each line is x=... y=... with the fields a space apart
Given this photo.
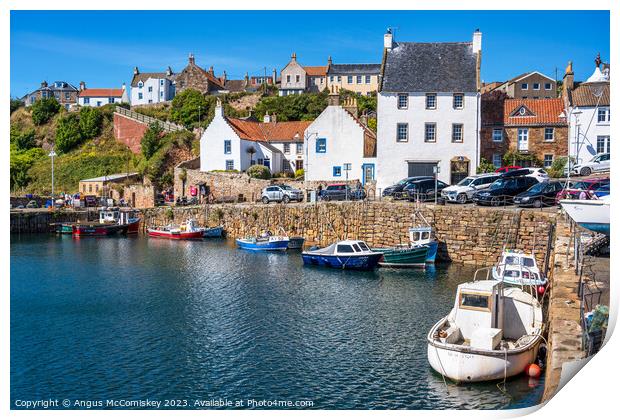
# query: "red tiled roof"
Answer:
x=543 y=112
x=316 y=70
x=269 y=132
x=103 y=93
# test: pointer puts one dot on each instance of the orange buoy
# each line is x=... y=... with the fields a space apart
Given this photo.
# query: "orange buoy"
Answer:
x=541 y=290
x=532 y=370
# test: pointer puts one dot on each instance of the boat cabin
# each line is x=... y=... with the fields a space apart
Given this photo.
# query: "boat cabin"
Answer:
x=518 y=267
x=115 y=215
x=421 y=235
x=351 y=247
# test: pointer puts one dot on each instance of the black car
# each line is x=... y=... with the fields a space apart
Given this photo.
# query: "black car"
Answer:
x=503 y=191
x=398 y=190
x=341 y=192
x=424 y=189
x=542 y=194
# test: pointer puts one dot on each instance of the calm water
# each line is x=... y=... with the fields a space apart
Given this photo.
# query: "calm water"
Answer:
x=133 y=318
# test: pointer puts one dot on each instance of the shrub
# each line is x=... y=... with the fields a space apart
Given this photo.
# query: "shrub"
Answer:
x=21 y=162
x=188 y=107
x=259 y=171
x=485 y=167
x=44 y=109
x=68 y=133
x=22 y=140
x=557 y=168
x=299 y=173
x=151 y=141
x=91 y=120
x=16 y=104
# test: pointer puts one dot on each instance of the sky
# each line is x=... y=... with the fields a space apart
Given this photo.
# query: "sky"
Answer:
x=101 y=48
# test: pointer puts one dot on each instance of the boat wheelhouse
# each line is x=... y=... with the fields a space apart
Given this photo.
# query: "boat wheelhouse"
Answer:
x=518 y=268
x=424 y=236
x=347 y=254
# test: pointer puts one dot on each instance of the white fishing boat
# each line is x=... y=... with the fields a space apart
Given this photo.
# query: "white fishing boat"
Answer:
x=493 y=332
x=590 y=214
x=519 y=269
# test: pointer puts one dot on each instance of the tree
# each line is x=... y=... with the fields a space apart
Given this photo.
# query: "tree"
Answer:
x=91 y=120
x=151 y=141
x=44 y=109
x=251 y=150
x=485 y=167
x=68 y=134
x=21 y=161
x=21 y=140
x=16 y=104
x=190 y=108
x=259 y=171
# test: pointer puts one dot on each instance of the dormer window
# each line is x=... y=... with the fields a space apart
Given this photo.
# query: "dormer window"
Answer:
x=522 y=111
x=140 y=84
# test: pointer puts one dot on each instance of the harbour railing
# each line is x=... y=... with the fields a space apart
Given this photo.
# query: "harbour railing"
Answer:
x=165 y=125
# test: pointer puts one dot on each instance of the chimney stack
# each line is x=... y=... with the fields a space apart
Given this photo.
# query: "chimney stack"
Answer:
x=191 y=59
x=219 y=109
x=169 y=71
x=294 y=57
x=44 y=84
x=388 y=40
x=136 y=71
x=267 y=118
x=333 y=99
x=477 y=41
x=350 y=104
x=223 y=78
x=329 y=61
x=569 y=77
x=274 y=76
x=82 y=86
x=211 y=72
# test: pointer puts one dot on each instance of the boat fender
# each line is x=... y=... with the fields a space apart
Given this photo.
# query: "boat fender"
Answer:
x=533 y=370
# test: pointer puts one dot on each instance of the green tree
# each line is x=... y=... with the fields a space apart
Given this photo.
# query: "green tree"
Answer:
x=151 y=141
x=21 y=162
x=189 y=107
x=91 y=120
x=259 y=171
x=22 y=140
x=485 y=167
x=68 y=133
x=44 y=109
x=16 y=104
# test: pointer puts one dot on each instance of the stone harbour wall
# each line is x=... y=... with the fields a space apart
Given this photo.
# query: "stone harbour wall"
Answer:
x=469 y=235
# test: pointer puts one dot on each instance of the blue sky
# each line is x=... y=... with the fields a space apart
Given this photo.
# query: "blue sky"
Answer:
x=102 y=48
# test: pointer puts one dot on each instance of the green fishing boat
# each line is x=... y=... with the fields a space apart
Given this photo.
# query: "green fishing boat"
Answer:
x=64 y=228
x=403 y=256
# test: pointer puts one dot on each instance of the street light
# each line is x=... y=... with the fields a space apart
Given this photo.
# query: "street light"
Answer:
x=306 y=145
x=347 y=168
x=52 y=154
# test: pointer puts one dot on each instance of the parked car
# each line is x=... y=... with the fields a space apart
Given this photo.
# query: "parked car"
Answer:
x=464 y=190
x=32 y=204
x=281 y=193
x=90 y=201
x=505 y=169
x=342 y=192
x=160 y=200
x=589 y=186
x=503 y=191
x=601 y=191
x=424 y=189
x=539 y=195
x=397 y=190
x=539 y=173
x=599 y=163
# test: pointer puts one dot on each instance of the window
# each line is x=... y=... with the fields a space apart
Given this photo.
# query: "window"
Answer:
x=230 y=165
x=260 y=161
x=350 y=80
x=536 y=86
x=547 y=86
x=340 y=78
x=548 y=161
x=287 y=148
x=321 y=145
x=457 y=133
x=402 y=132
x=87 y=100
x=474 y=301
x=297 y=78
x=140 y=95
x=161 y=94
x=300 y=148
x=150 y=88
x=227 y=147
x=90 y=187
x=457 y=101
x=140 y=84
x=111 y=100
x=161 y=82
x=337 y=171
x=288 y=78
x=403 y=101
x=430 y=131
x=549 y=132
x=602 y=144
x=524 y=86
x=286 y=165
x=498 y=135
x=535 y=97
x=431 y=101
x=331 y=79
x=367 y=79
x=523 y=137
x=96 y=187
x=67 y=96
x=497 y=160
x=345 y=249
x=359 y=80
x=603 y=115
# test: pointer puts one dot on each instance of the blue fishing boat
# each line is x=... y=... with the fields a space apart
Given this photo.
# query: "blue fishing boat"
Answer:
x=264 y=242
x=214 y=232
x=347 y=254
x=423 y=236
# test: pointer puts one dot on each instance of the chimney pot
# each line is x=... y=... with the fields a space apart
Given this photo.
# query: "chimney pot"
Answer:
x=388 y=40
x=191 y=58
x=82 y=86
x=477 y=41
x=135 y=70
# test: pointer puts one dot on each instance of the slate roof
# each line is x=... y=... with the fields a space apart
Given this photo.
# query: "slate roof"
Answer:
x=143 y=77
x=430 y=67
x=584 y=94
x=346 y=69
x=100 y=93
x=538 y=112
x=269 y=132
x=235 y=85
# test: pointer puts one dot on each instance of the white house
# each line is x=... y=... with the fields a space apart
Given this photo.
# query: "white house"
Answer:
x=588 y=112
x=339 y=146
x=236 y=143
x=152 y=88
x=101 y=96
x=428 y=110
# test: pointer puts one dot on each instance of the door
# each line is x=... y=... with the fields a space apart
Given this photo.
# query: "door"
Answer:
x=368 y=172
x=421 y=168
x=523 y=139
x=267 y=163
x=459 y=170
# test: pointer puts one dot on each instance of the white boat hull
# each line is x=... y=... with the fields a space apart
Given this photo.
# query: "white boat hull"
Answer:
x=591 y=214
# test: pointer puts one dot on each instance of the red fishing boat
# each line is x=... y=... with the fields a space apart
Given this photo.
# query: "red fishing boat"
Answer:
x=111 y=221
x=187 y=230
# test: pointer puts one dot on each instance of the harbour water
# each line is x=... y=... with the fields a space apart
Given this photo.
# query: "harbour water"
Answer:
x=136 y=318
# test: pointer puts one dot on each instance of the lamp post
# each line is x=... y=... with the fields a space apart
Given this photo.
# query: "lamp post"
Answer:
x=347 y=168
x=436 y=172
x=576 y=112
x=307 y=137
x=52 y=154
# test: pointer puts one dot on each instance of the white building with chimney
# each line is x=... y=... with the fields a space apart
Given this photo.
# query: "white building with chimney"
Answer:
x=428 y=110
x=97 y=97
x=152 y=88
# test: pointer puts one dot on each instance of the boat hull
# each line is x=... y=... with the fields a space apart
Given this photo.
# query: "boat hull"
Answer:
x=590 y=214
x=403 y=257
x=359 y=262
x=281 y=245
x=518 y=281
x=214 y=232
x=431 y=254
x=153 y=233
x=98 y=230
x=296 y=242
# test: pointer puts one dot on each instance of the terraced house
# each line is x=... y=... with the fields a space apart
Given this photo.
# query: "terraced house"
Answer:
x=65 y=93
x=359 y=78
x=428 y=110
x=535 y=128
x=152 y=88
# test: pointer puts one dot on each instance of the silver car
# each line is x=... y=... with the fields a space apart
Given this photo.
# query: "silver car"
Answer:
x=599 y=163
x=281 y=193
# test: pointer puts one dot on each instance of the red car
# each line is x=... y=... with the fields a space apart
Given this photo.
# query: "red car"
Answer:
x=505 y=169
x=587 y=185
